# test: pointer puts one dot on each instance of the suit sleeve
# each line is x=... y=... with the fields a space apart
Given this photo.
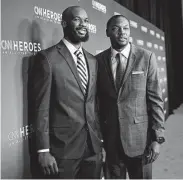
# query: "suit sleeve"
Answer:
x=97 y=103
x=40 y=98
x=154 y=99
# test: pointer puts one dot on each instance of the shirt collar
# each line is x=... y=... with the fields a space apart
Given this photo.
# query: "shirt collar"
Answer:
x=70 y=46
x=125 y=52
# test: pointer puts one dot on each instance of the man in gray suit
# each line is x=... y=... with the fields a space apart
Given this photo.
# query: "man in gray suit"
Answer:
x=63 y=103
x=131 y=105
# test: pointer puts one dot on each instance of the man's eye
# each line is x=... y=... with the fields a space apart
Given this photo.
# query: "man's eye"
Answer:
x=76 y=19
x=86 y=21
x=115 y=29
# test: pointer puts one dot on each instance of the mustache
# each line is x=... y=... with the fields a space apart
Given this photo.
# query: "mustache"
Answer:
x=123 y=36
x=72 y=34
x=81 y=28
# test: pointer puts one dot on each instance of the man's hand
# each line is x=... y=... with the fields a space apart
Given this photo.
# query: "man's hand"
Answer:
x=47 y=163
x=154 y=151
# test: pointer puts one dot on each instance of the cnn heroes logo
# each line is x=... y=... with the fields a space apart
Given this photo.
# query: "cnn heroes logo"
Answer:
x=98 y=6
x=20 y=135
x=19 y=47
x=92 y=28
x=47 y=15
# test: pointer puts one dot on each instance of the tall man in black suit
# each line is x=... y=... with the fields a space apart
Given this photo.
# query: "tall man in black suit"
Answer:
x=131 y=105
x=63 y=101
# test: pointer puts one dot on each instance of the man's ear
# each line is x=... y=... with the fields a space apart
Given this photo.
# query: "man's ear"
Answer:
x=107 y=32
x=64 y=24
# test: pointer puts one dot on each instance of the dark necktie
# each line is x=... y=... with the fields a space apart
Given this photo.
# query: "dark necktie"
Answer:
x=81 y=68
x=119 y=70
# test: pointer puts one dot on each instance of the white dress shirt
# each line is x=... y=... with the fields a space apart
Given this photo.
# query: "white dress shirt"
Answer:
x=125 y=52
x=72 y=50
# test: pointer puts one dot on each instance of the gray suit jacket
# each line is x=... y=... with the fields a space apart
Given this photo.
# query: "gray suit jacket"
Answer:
x=63 y=115
x=137 y=109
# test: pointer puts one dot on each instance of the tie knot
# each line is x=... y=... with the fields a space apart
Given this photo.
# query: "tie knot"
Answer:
x=78 y=53
x=119 y=55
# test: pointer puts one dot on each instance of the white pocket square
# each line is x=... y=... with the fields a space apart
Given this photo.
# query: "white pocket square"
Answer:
x=137 y=72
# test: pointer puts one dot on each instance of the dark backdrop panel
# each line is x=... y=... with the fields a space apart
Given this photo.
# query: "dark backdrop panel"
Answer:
x=29 y=26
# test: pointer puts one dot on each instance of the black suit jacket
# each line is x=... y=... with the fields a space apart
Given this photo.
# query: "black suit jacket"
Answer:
x=63 y=115
x=135 y=113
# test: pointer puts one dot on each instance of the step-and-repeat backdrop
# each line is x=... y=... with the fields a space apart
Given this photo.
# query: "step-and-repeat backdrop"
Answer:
x=29 y=26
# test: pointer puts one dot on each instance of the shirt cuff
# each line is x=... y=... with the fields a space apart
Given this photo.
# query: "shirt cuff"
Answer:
x=43 y=150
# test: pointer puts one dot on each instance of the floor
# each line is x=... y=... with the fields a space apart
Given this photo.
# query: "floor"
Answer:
x=169 y=165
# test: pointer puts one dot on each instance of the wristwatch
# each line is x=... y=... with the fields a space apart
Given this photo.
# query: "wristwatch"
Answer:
x=160 y=140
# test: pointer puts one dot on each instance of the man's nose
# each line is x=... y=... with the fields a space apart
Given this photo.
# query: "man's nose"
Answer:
x=121 y=31
x=83 y=23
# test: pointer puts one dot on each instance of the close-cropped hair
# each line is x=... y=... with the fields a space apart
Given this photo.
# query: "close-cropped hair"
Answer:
x=115 y=17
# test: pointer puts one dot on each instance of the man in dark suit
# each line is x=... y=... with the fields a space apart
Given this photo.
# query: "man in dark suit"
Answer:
x=63 y=101
x=131 y=105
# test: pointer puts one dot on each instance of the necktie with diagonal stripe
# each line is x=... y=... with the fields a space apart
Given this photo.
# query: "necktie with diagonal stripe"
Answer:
x=119 y=70
x=81 y=67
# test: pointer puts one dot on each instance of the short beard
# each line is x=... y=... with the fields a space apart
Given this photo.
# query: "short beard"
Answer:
x=119 y=45
x=73 y=36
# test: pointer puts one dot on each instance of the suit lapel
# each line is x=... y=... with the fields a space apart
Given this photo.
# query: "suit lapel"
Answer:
x=69 y=59
x=91 y=69
x=107 y=60
x=130 y=65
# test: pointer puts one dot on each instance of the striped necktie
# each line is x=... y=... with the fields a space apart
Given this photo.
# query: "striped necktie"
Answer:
x=81 y=68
